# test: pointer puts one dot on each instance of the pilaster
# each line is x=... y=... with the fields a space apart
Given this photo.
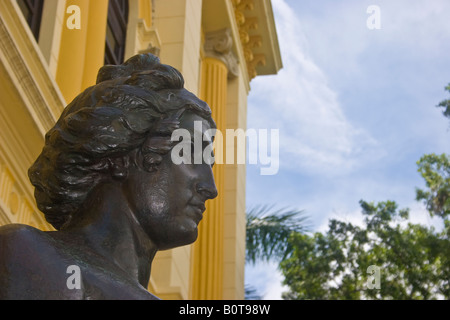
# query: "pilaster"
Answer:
x=218 y=65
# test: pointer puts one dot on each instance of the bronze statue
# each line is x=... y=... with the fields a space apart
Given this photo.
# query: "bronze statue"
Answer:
x=106 y=182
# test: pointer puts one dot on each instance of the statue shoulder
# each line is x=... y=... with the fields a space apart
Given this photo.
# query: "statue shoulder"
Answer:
x=21 y=245
x=30 y=262
x=12 y=233
x=37 y=265
x=13 y=236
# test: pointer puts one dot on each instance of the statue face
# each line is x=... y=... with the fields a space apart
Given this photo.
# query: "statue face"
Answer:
x=169 y=202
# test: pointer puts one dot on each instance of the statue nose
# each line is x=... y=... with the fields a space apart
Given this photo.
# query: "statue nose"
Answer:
x=207 y=190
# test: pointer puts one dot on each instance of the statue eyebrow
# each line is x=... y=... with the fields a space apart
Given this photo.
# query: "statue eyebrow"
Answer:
x=157 y=144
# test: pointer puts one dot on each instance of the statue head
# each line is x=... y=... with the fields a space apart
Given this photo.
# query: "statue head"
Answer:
x=119 y=131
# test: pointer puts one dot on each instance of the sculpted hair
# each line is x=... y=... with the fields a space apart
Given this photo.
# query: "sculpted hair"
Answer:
x=136 y=105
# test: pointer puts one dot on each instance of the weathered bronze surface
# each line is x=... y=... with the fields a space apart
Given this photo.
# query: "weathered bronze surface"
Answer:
x=106 y=181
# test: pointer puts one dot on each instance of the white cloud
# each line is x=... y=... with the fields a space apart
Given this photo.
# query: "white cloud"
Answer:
x=275 y=287
x=267 y=279
x=418 y=214
x=314 y=132
x=356 y=218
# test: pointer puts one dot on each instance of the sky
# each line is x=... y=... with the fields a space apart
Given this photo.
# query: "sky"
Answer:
x=355 y=110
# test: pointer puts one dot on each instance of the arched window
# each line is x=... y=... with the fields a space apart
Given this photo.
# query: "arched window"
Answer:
x=32 y=11
x=116 y=31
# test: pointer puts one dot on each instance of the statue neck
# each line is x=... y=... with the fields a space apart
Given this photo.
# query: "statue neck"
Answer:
x=109 y=227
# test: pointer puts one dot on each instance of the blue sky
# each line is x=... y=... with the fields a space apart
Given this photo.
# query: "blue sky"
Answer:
x=354 y=108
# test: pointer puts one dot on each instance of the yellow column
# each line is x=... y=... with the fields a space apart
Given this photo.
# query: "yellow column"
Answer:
x=82 y=50
x=207 y=271
x=145 y=11
x=95 y=41
x=218 y=65
x=69 y=74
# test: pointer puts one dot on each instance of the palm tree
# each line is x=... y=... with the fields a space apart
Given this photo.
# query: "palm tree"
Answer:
x=268 y=232
x=251 y=293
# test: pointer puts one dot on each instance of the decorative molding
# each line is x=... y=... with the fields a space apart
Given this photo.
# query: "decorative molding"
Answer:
x=244 y=4
x=6 y=184
x=30 y=106
x=219 y=44
x=23 y=58
x=149 y=37
x=249 y=42
x=14 y=205
x=141 y=36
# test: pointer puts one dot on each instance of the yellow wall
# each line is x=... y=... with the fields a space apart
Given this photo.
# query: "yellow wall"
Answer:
x=30 y=103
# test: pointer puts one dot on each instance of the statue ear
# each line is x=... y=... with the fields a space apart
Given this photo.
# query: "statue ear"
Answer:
x=119 y=167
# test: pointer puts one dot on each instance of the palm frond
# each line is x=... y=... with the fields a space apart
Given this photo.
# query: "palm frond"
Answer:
x=268 y=231
x=251 y=293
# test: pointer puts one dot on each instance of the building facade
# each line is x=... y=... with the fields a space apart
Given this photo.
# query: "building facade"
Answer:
x=51 y=50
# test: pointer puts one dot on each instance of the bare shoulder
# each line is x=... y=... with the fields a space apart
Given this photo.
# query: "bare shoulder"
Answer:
x=17 y=230
x=18 y=244
x=15 y=236
x=37 y=265
x=31 y=264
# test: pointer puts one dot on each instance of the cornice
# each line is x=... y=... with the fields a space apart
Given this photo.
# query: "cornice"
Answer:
x=258 y=36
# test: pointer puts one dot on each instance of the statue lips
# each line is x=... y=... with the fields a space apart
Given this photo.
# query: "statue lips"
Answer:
x=199 y=208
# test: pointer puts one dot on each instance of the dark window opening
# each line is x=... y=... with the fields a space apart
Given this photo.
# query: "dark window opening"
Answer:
x=32 y=11
x=116 y=31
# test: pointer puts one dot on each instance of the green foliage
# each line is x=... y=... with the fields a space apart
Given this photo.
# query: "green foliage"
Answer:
x=435 y=169
x=413 y=260
x=445 y=104
x=268 y=231
x=333 y=265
